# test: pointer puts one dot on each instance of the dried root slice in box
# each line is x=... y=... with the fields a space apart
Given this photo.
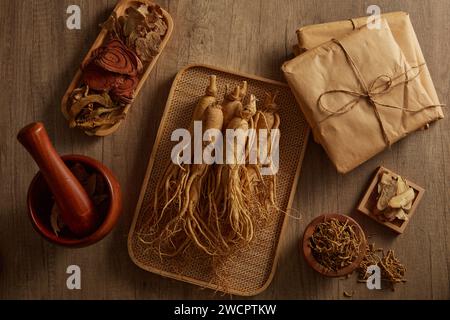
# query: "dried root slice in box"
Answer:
x=395 y=198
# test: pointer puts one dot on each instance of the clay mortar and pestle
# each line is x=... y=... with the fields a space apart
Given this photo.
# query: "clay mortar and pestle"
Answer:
x=55 y=187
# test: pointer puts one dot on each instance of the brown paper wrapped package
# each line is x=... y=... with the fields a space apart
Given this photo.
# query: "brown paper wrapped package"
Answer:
x=352 y=127
x=401 y=28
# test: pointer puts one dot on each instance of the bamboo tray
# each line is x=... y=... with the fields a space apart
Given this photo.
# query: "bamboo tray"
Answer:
x=119 y=10
x=251 y=270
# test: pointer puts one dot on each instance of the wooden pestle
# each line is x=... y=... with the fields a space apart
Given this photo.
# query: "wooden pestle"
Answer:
x=75 y=206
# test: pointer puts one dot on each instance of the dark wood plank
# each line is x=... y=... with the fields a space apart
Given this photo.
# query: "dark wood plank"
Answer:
x=39 y=57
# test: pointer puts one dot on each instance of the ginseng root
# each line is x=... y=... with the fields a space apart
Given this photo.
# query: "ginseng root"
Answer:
x=175 y=206
x=266 y=120
x=187 y=215
x=232 y=204
x=216 y=207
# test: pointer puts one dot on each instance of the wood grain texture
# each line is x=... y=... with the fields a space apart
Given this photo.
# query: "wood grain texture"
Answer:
x=39 y=57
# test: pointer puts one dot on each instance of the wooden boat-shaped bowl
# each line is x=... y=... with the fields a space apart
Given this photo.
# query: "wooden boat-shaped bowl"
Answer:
x=120 y=11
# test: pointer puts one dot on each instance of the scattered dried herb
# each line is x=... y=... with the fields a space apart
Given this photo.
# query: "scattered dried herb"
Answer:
x=392 y=270
x=335 y=244
x=348 y=294
x=370 y=258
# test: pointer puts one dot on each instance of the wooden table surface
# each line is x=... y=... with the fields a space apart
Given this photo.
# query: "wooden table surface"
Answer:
x=39 y=56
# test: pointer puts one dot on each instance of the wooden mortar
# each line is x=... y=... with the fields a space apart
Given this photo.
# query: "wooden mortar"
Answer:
x=76 y=208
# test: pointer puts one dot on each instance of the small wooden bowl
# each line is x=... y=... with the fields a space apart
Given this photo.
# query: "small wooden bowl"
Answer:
x=40 y=203
x=307 y=252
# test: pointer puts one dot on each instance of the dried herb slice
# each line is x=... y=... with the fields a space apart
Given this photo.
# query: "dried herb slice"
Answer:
x=114 y=56
x=133 y=19
x=79 y=105
x=97 y=78
x=124 y=89
x=147 y=48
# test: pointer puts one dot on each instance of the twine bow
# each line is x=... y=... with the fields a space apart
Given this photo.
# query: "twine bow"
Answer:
x=371 y=93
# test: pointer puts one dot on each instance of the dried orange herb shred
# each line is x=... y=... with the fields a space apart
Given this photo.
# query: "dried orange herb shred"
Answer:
x=335 y=244
x=392 y=270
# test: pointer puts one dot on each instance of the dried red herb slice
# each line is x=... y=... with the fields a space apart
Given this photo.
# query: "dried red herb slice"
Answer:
x=124 y=89
x=114 y=56
x=98 y=79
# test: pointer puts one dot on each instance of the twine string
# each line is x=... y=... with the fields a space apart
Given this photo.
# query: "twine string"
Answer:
x=371 y=92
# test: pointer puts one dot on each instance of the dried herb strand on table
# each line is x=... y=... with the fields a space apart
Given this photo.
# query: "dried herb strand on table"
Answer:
x=392 y=270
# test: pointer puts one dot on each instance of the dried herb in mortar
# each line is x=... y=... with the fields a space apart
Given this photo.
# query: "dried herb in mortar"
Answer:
x=96 y=188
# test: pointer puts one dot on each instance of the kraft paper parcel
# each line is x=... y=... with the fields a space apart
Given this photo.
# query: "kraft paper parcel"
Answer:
x=360 y=94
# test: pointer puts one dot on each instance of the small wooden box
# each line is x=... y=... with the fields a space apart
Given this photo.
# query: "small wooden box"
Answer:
x=369 y=201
